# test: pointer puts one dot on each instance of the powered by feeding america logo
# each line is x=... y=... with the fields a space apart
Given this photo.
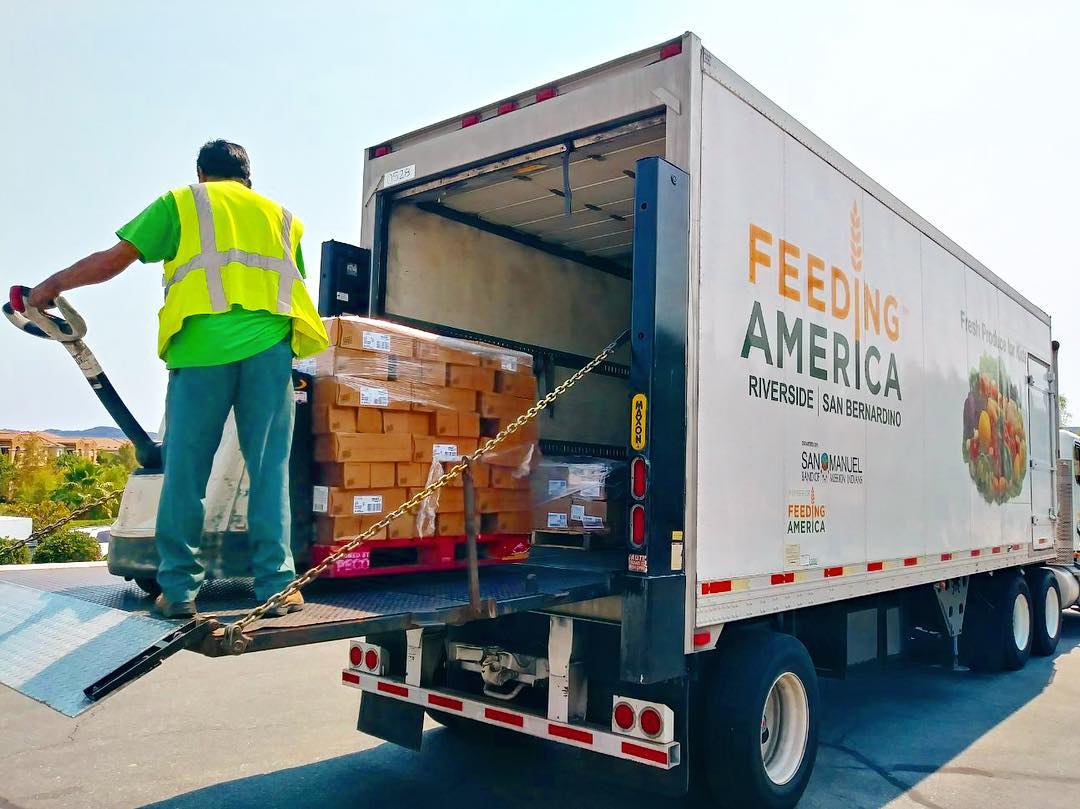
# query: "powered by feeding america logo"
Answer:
x=823 y=466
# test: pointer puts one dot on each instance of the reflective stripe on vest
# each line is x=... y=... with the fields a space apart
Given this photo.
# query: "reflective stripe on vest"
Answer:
x=211 y=260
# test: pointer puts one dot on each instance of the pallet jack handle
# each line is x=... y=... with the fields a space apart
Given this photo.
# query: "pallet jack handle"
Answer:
x=68 y=330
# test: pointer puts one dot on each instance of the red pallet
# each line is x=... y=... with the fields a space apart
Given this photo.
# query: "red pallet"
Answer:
x=381 y=557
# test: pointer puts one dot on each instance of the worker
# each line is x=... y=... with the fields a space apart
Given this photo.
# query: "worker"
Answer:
x=236 y=312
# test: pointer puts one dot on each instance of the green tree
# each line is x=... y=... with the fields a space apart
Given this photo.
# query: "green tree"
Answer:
x=81 y=482
x=68 y=546
x=1064 y=416
x=36 y=473
x=8 y=474
x=42 y=514
x=13 y=553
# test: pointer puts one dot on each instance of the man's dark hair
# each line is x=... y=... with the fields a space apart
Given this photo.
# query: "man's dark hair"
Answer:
x=220 y=158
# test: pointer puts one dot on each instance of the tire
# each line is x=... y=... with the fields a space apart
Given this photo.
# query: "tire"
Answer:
x=148 y=586
x=996 y=635
x=753 y=754
x=1046 y=611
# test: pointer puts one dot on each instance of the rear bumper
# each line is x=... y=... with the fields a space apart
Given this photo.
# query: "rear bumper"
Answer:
x=587 y=737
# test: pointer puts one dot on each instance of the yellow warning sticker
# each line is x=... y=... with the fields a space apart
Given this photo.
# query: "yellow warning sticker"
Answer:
x=638 y=407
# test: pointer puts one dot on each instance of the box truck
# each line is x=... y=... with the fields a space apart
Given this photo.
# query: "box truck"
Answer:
x=839 y=427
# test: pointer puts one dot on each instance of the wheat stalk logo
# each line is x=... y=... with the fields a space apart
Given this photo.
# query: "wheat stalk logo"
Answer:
x=856 y=238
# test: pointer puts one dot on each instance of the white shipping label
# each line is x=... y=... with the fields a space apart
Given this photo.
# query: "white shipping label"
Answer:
x=300 y=396
x=590 y=489
x=592 y=522
x=445 y=452
x=375 y=341
x=374 y=397
x=320 y=499
x=577 y=513
x=556 y=487
x=305 y=366
x=341 y=296
x=401 y=175
x=509 y=363
x=367 y=504
x=556 y=519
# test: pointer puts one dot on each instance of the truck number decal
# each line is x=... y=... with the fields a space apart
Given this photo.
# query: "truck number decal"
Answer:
x=638 y=407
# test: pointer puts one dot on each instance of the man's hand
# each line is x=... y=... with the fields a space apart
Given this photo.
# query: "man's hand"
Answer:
x=93 y=269
x=43 y=296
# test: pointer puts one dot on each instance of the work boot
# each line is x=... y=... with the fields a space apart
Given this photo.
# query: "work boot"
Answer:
x=294 y=602
x=173 y=609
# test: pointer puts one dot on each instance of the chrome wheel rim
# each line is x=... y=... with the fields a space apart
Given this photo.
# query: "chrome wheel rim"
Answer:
x=1021 y=621
x=785 y=727
x=1052 y=613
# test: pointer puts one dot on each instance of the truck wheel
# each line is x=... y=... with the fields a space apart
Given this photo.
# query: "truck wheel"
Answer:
x=148 y=586
x=761 y=710
x=1046 y=606
x=998 y=623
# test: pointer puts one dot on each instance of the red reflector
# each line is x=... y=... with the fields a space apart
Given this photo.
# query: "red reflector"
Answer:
x=911 y=561
x=671 y=49
x=347 y=677
x=702 y=638
x=445 y=702
x=371 y=659
x=390 y=688
x=546 y=93
x=623 y=716
x=381 y=151
x=570 y=733
x=996 y=549
x=646 y=753
x=356 y=655
x=830 y=572
x=946 y=557
x=509 y=106
x=976 y=553
x=650 y=721
x=638 y=477
x=874 y=567
x=470 y=120
x=782 y=578
x=505 y=717
x=637 y=526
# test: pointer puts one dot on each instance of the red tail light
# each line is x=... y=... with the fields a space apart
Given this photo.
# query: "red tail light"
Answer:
x=637 y=526
x=624 y=716
x=470 y=120
x=356 y=655
x=509 y=106
x=638 y=477
x=651 y=723
x=371 y=659
x=546 y=93
x=671 y=49
x=381 y=151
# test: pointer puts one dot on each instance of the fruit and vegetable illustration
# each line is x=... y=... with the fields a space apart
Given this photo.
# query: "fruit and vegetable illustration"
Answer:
x=995 y=443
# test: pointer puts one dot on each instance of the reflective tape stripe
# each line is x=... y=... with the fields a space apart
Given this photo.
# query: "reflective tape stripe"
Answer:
x=211 y=260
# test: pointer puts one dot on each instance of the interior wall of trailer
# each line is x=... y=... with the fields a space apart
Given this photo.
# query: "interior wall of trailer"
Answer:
x=449 y=273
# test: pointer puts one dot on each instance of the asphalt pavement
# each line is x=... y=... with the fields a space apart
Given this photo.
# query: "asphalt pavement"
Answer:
x=276 y=729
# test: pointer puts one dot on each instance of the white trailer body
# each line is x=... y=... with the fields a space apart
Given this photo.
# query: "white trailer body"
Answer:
x=839 y=336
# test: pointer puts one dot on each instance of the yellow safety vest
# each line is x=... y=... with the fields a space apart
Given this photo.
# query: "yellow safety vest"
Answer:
x=237 y=248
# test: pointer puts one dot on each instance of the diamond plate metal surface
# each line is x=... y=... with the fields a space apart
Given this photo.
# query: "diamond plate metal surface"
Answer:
x=53 y=645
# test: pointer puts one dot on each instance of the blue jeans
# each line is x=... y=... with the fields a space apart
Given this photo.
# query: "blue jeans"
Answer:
x=259 y=392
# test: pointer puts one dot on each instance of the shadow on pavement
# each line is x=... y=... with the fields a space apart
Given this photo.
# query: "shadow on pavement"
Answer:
x=884 y=730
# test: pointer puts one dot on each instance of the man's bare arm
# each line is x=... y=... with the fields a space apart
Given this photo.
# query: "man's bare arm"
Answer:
x=94 y=269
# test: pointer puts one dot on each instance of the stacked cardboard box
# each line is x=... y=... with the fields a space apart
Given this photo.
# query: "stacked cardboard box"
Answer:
x=572 y=496
x=393 y=408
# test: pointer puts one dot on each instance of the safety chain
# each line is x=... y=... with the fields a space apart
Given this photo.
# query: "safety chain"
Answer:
x=55 y=526
x=303 y=580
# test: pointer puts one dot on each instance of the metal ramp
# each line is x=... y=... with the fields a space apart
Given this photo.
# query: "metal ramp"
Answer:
x=70 y=636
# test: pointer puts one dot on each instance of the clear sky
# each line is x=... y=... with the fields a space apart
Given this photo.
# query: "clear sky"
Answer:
x=965 y=110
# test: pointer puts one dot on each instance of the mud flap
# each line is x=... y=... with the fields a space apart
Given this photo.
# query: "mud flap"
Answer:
x=54 y=648
x=391 y=720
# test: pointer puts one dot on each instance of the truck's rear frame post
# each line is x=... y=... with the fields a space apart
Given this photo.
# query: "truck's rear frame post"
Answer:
x=654 y=618
x=567 y=684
